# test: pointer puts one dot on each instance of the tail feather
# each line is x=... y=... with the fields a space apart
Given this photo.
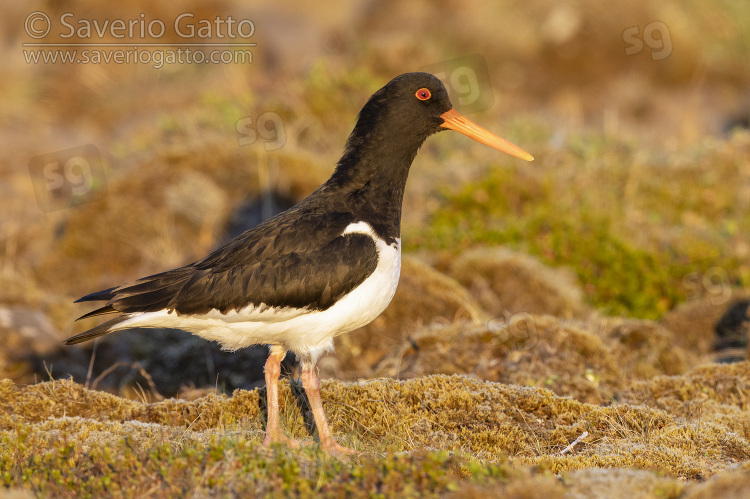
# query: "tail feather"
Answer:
x=103 y=295
x=94 y=332
x=146 y=300
x=107 y=309
x=147 y=294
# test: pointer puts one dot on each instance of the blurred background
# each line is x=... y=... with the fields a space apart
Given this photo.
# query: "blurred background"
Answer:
x=121 y=165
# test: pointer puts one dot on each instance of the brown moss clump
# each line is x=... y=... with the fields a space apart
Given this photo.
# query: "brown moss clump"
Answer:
x=522 y=484
x=588 y=360
x=505 y=281
x=25 y=332
x=145 y=211
x=733 y=483
x=694 y=322
x=618 y=482
x=723 y=383
x=526 y=350
x=645 y=348
x=64 y=398
x=41 y=401
x=713 y=395
x=424 y=295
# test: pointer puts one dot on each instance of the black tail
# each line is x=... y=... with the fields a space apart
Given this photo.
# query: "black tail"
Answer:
x=106 y=309
x=100 y=330
x=147 y=294
x=103 y=295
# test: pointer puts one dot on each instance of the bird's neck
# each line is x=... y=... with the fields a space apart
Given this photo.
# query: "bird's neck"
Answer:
x=370 y=177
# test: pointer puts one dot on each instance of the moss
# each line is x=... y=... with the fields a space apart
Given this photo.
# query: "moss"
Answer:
x=589 y=360
x=697 y=320
x=221 y=465
x=57 y=438
x=424 y=295
x=599 y=482
x=506 y=281
x=731 y=484
x=647 y=221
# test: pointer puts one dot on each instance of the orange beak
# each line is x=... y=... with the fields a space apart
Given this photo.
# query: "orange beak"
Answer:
x=459 y=123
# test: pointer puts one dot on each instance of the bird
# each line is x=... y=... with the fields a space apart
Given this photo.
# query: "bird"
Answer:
x=322 y=268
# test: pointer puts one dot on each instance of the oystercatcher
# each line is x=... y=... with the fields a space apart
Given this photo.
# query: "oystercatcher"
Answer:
x=320 y=269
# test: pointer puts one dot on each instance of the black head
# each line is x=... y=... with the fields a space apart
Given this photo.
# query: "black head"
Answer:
x=392 y=126
x=395 y=122
x=410 y=104
x=400 y=116
x=371 y=175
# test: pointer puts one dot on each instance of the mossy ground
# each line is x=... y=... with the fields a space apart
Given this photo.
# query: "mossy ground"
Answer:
x=60 y=439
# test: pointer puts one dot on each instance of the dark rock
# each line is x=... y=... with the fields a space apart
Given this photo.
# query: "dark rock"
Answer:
x=166 y=360
x=253 y=212
x=732 y=332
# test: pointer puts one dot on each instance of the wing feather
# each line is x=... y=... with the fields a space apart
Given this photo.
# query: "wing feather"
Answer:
x=299 y=261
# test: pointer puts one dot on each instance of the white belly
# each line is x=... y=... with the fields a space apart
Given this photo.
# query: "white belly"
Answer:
x=307 y=333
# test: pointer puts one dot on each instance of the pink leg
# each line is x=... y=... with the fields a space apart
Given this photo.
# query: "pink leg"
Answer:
x=272 y=372
x=312 y=388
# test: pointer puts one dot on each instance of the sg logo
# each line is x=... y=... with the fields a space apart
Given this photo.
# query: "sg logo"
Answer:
x=67 y=178
x=714 y=283
x=467 y=80
x=519 y=331
x=269 y=127
x=655 y=36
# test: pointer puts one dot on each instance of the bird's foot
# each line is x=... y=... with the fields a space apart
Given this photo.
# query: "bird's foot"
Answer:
x=278 y=437
x=333 y=448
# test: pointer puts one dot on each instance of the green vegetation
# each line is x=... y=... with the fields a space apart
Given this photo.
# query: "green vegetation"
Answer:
x=589 y=214
x=225 y=465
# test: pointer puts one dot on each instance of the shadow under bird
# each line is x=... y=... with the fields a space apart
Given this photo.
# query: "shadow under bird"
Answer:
x=324 y=267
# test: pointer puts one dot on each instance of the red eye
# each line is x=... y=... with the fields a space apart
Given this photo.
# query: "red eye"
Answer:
x=423 y=94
